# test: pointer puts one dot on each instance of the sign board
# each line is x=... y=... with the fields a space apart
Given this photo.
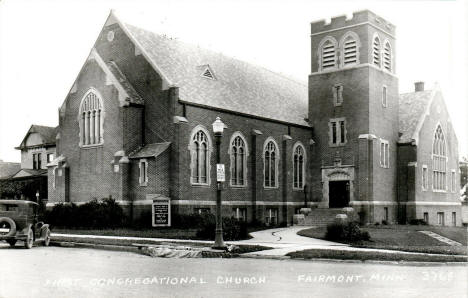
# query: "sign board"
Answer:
x=220 y=174
x=161 y=213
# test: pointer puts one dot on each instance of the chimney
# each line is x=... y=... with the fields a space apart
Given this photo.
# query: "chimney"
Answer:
x=418 y=86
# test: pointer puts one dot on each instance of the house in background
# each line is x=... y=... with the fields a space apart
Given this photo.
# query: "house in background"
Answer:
x=30 y=179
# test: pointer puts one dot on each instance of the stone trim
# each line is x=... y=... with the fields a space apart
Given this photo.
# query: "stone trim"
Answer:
x=343 y=173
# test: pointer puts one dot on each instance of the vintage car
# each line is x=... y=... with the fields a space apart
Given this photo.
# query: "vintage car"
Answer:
x=19 y=221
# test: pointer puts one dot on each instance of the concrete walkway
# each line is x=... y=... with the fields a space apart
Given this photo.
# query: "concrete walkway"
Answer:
x=283 y=241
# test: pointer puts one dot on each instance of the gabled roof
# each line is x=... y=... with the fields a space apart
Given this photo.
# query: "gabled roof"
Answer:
x=150 y=150
x=47 y=133
x=8 y=168
x=29 y=173
x=238 y=86
x=412 y=110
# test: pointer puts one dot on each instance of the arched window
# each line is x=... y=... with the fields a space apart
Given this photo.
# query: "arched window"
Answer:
x=238 y=153
x=200 y=148
x=91 y=119
x=439 y=161
x=376 y=51
x=349 y=46
x=271 y=158
x=387 y=56
x=298 y=166
x=327 y=54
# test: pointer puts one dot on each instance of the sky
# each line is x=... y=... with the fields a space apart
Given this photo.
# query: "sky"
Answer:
x=43 y=45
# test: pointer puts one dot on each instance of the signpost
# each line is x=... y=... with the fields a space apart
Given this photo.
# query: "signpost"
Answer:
x=220 y=173
x=161 y=212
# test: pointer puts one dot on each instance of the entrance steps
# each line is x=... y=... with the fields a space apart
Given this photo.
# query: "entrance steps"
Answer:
x=321 y=217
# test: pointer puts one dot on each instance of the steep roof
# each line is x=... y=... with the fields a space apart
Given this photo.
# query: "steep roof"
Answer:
x=47 y=133
x=150 y=150
x=412 y=107
x=235 y=85
x=8 y=168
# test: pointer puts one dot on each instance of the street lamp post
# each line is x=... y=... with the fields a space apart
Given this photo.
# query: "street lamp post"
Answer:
x=218 y=127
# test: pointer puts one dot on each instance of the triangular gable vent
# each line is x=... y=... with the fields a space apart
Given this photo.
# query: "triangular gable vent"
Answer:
x=207 y=73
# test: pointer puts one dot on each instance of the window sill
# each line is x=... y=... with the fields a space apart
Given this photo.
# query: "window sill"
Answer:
x=144 y=184
x=238 y=186
x=298 y=189
x=91 y=146
x=336 y=145
x=270 y=187
x=439 y=190
x=200 y=185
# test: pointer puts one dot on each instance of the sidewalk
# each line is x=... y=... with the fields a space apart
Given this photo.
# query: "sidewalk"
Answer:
x=282 y=240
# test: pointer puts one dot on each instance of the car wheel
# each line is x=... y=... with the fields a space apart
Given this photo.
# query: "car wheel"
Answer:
x=11 y=223
x=28 y=243
x=12 y=242
x=47 y=238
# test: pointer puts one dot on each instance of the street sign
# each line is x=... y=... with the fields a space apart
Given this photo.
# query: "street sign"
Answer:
x=220 y=174
x=161 y=213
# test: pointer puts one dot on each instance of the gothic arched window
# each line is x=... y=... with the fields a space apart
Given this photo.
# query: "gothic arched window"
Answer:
x=200 y=148
x=91 y=119
x=298 y=166
x=270 y=158
x=238 y=154
x=376 y=51
x=439 y=161
x=349 y=46
x=327 y=54
x=387 y=56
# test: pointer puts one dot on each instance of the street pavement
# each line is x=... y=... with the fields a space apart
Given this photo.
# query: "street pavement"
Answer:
x=73 y=272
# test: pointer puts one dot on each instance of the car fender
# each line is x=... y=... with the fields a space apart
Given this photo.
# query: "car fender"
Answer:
x=26 y=229
x=44 y=229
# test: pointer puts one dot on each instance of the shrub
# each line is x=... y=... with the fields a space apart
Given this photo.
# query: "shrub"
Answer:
x=233 y=229
x=418 y=222
x=346 y=231
x=384 y=222
x=93 y=214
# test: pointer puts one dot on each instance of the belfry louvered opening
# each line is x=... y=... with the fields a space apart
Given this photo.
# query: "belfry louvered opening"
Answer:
x=376 y=51
x=387 y=57
x=328 y=55
x=350 y=51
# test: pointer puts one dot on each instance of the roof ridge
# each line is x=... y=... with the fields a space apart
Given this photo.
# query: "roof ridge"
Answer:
x=176 y=39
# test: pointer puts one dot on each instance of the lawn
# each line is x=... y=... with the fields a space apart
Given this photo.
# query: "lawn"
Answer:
x=169 y=233
x=405 y=238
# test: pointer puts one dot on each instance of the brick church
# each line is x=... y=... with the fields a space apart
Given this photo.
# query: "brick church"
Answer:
x=137 y=126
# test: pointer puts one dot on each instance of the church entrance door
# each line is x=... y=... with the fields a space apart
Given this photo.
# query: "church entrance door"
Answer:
x=338 y=194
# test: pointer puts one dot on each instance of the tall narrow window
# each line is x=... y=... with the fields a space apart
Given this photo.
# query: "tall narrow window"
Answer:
x=298 y=166
x=424 y=177
x=200 y=157
x=439 y=161
x=238 y=155
x=337 y=132
x=349 y=46
x=384 y=96
x=387 y=56
x=454 y=219
x=453 y=186
x=91 y=119
x=39 y=160
x=337 y=94
x=270 y=164
x=328 y=54
x=440 y=218
x=376 y=51
x=143 y=172
x=384 y=154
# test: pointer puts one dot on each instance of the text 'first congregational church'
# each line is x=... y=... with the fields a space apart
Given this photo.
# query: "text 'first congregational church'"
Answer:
x=137 y=125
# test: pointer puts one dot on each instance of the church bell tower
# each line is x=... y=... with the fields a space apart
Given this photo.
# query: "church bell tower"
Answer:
x=353 y=107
